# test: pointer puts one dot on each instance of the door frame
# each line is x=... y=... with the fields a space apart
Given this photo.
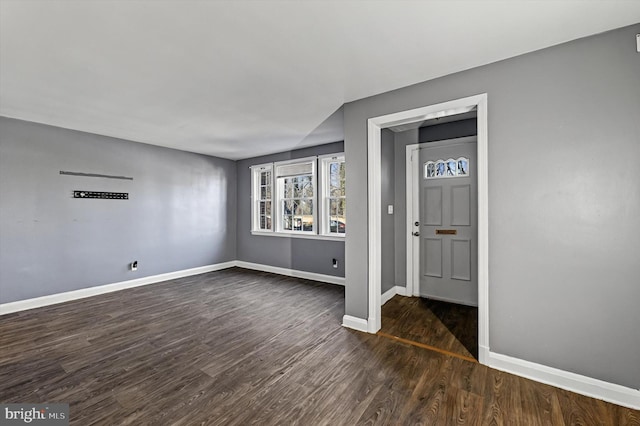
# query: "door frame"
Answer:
x=413 y=173
x=374 y=204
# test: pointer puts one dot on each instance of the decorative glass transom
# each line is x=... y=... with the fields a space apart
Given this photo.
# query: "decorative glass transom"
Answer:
x=446 y=168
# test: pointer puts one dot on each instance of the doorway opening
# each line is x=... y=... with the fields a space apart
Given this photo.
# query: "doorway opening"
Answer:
x=437 y=308
x=415 y=118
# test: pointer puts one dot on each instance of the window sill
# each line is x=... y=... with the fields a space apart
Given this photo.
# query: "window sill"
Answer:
x=293 y=235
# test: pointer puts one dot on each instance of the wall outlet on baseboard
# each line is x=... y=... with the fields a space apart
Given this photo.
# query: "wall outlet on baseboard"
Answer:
x=334 y=263
x=133 y=265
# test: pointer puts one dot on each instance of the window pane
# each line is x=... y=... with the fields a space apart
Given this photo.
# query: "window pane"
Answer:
x=287 y=218
x=297 y=188
x=452 y=167
x=334 y=175
x=287 y=207
x=336 y=179
x=304 y=215
x=303 y=186
x=304 y=207
x=265 y=178
x=308 y=186
x=431 y=170
x=287 y=223
x=337 y=192
x=264 y=212
x=463 y=166
x=337 y=218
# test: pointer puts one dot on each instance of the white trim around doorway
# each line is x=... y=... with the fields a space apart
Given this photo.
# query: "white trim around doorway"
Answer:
x=375 y=126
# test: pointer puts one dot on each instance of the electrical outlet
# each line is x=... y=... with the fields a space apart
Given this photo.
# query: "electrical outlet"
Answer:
x=134 y=265
x=334 y=263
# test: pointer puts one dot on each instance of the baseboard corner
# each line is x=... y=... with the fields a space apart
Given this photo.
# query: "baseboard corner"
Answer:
x=355 y=323
x=401 y=290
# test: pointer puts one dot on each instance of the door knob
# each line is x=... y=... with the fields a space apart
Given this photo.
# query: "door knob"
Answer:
x=416 y=234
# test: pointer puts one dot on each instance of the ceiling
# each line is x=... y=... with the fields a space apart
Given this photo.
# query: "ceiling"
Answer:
x=237 y=79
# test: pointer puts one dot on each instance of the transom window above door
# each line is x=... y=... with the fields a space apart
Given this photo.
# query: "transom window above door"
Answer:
x=446 y=168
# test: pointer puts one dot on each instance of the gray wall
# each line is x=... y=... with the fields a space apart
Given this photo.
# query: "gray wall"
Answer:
x=181 y=211
x=387 y=167
x=401 y=140
x=564 y=144
x=310 y=255
x=452 y=129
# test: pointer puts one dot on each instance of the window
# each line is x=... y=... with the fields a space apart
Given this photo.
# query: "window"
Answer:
x=295 y=195
x=287 y=200
x=334 y=198
x=262 y=207
x=446 y=168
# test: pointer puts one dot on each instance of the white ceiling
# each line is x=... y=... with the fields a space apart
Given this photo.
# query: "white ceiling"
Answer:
x=237 y=79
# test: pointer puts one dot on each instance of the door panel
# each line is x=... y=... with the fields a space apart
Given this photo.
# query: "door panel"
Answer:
x=433 y=205
x=461 y=205
x=461 y=260
x=448 y=223
x=432 y=257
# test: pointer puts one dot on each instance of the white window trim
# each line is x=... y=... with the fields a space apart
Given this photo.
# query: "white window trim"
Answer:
x=320 y=204
x=255 y=196
x=323 y=161
x=304 y=235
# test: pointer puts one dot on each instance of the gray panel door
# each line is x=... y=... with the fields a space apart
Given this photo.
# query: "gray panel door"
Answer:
x=448 y=223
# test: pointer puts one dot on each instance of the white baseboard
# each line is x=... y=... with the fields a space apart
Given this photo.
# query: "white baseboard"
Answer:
x=355 y=323
x=573 y=382
x=38 y=302
x=483 y=354
x=291 y=272
x=401 y=290
x=388 y=295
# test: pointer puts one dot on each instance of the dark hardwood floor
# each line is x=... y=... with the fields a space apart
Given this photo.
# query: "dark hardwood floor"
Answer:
x=238 y=347
x=447 y=326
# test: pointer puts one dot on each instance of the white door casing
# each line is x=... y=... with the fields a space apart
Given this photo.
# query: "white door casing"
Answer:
x=375 y=126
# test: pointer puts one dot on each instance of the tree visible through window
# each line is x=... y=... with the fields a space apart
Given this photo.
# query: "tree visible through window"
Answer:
x=335 y=195
x=287 y=200
x=297 y=203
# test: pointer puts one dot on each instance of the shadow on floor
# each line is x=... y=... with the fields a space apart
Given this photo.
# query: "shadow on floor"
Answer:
x=460 y=320
x=446 y=326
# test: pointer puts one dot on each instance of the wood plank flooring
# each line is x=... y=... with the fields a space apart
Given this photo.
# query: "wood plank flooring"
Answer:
x=238 y=347
x=447 y=326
